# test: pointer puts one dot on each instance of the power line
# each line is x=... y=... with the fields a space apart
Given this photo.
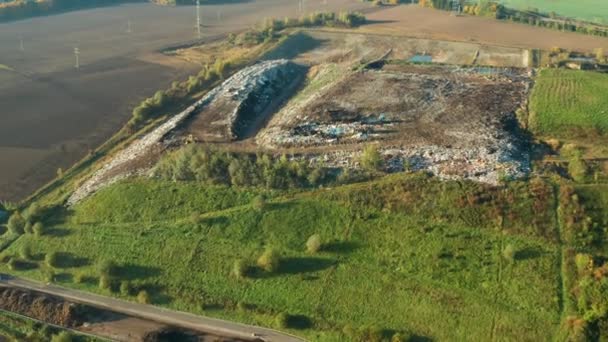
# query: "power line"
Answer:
x=198 y=18
x=77 y=55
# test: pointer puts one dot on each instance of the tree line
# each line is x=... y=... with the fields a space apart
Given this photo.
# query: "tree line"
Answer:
x=205 y=164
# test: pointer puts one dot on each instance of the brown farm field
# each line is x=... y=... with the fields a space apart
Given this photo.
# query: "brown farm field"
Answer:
x=414 y=21
x=52 y=114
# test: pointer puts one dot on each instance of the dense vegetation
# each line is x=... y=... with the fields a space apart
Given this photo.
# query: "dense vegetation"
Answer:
x=566 y=103
x=211 y=166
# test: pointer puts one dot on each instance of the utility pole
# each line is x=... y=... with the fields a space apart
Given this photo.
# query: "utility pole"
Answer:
x=21 y=47
x=129 y=28
x=219 y=16
x=198 y=18
x=77 y=54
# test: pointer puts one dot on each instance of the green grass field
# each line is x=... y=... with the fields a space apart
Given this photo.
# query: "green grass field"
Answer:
x=566 y=103
x=590 y=10
x=382 y=265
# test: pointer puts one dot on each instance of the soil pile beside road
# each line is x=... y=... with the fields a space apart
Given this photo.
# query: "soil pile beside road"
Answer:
x=42 y=307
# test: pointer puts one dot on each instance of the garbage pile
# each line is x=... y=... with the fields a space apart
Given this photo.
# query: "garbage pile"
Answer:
x=249 y=86
x=242 y=100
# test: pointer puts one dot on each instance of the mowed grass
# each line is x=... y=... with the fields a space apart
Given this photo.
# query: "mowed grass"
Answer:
x=441 y=280
x=567 y=103
x=590 y=10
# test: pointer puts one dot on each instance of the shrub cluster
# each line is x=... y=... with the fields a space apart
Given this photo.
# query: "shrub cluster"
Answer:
x=196 y=162
x=179 y=91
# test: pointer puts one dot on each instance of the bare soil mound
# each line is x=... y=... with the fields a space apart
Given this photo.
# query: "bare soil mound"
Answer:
x=42 y=307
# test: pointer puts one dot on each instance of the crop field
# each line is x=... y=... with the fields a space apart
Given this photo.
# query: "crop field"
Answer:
x=447 y=279
x=567 y=103
x=590 y=10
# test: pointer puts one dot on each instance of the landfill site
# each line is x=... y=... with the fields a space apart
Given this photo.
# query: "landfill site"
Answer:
x=442 y=107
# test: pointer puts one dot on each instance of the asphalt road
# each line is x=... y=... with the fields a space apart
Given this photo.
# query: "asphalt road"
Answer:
x=154 y=313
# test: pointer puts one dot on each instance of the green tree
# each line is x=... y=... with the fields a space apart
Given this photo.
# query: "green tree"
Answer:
x=371 y=159
x=269 y=261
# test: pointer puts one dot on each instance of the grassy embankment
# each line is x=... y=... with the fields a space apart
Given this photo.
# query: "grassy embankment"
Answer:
x=396 y=255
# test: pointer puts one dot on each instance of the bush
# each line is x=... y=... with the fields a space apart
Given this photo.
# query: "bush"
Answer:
x=63 y=336
x=195 y=218
x=28 y=228
x=371 y=159
x=104 y=282
x=240 y=269
x=38 y=229
x=259 y=202
x=313 y=245
x=509 y=253
x=269 y=260
x=12 y=264
x=583 y=262
x=282 y=320
x=106 y=268
x=79 y=278
x=25 y=252
x=49 y=276
x=143 y=297
x=33 y=212
x=51 y=259
x=125 y=288
x=16 y=223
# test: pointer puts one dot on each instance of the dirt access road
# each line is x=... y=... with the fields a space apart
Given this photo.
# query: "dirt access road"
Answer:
x=52 y=114
x=153 y=313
